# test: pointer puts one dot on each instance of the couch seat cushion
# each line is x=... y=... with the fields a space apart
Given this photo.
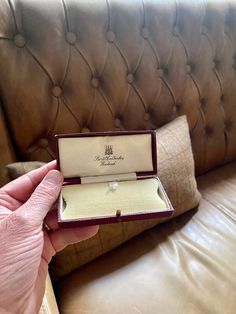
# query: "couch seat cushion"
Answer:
x=186 y=265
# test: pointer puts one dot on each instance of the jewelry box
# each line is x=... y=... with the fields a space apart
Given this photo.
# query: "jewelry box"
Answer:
x=109 y=177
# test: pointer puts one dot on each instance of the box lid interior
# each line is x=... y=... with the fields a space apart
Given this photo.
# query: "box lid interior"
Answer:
x=101 y=154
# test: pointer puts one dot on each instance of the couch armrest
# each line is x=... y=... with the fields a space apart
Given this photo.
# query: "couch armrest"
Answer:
x=7 y=154
x=49 y=305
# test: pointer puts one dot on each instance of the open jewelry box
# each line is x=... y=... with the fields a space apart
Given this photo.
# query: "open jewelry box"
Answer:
x=109 y=177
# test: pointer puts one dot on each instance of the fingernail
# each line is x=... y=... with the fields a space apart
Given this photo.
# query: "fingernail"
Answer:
x=54 y=177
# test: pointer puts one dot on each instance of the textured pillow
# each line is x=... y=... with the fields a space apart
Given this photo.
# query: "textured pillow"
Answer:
x=17 y=169
x=176 y=171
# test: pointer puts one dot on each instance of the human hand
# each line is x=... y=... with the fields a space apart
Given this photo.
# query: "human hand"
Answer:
x=25 y=249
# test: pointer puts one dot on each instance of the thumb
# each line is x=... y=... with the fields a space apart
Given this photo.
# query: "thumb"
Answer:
x=43 y=197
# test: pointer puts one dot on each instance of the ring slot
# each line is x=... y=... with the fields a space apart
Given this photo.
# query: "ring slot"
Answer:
x=118 y=213
x=64 y=204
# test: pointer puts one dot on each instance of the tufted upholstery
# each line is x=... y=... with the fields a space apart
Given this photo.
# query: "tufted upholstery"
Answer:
x=78 y=66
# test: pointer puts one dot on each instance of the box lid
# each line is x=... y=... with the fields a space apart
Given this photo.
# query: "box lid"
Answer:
x=107 y=153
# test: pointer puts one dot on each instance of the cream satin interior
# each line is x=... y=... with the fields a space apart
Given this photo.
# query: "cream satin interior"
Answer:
x=105 y=155
x=96 y=200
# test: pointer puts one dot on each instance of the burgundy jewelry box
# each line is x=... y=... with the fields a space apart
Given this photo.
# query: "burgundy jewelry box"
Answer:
x=109 y=177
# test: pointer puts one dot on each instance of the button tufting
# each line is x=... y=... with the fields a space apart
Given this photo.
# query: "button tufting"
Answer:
x=160 y=72
x=222 y=98
x=203 y=102
x=71 y=38
x=85 y=130
x=43 y=143
x=130 y=78
x=174 y=110
x=117 y=122
x=145 y=32
x=56 y=91
x=19 y=41
x=95 y=82
x=178 y=106
x=147 y=116
x=208 y=130
x=217 y=63
x=189 y=68
x=166 y=70
x=228 y=125
x=176 y=31
x=214 y=64
x=110 y=36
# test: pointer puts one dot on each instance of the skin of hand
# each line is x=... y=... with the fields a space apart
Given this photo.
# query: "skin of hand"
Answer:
x=25 y=249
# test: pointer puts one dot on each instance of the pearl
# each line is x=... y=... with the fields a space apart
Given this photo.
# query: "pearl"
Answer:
x=113 y=185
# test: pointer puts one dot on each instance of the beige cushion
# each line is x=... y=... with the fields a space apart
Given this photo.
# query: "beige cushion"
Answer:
x=176 y=171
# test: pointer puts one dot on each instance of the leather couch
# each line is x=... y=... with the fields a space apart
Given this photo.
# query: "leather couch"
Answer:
x=76 y=66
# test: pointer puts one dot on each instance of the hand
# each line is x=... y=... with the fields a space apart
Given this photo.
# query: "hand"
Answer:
x=25 y=249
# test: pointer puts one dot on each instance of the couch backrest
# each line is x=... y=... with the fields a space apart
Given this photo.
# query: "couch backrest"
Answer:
x=75 y=66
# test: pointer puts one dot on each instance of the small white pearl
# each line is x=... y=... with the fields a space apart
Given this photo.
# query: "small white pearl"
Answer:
x=113 y=186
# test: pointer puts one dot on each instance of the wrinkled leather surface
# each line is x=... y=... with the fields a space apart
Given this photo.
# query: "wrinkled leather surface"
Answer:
x=75 y=66
x=184 y=266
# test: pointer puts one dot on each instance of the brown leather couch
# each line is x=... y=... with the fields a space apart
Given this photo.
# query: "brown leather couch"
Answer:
x=75 y=66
